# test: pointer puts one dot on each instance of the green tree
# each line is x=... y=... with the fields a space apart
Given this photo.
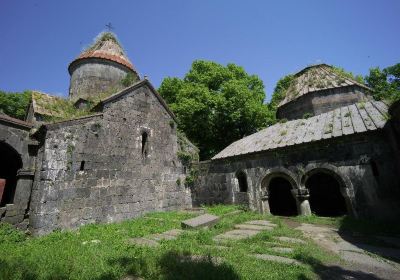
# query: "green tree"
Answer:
x=216 y=105
x=15 y=104
x=385 y=83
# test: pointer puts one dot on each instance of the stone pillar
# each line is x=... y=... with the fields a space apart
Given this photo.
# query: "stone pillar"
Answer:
x=264 y=203
x=303 y=205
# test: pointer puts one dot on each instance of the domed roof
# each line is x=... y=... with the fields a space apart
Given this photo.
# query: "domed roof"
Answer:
x=106 y=46
x=317 y=78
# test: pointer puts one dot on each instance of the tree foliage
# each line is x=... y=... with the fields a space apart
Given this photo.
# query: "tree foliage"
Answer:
x=216 y=105
x=385 y=82
x=15 y=104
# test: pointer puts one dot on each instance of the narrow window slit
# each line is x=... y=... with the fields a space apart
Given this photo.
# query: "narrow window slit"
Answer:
x=82 y=167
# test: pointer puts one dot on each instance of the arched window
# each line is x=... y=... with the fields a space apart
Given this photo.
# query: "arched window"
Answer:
x=145 y=145
x=241 y=177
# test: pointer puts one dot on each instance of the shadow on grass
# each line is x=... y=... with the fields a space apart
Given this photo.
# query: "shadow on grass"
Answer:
x=332 y=272
x=176 y=266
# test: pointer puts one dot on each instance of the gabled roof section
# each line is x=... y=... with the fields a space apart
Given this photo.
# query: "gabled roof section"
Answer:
x=347 y=120
x=136 y=86
x=45 y=104
x=106 y=46
x=317 y=78
x=7 y=119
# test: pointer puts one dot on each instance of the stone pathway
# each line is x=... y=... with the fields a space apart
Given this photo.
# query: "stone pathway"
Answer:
x=153 y=239
x=245 y=230
x=359 y=257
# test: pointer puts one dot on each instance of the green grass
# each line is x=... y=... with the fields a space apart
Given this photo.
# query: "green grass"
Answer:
x=62 y=255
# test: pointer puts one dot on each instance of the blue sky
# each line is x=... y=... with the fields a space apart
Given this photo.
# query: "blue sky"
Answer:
x=162 y=38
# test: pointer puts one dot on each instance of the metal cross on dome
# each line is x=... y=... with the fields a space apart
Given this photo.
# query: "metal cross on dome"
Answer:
x=109 y=26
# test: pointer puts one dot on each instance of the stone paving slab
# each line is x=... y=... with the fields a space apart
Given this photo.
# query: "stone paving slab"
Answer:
x=261 y=223
x=236 y=234
x=201 y=259
x=162 y=236
x=366 y=260
x=278 y=259
x=290 y=240
x=282 y=250
x=174 y=232
x=141 y=241
x=253 y=227
x=205 y=220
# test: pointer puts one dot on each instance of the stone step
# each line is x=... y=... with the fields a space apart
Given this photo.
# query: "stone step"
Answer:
x=253 y=227
x=278 y=259
x=261 y=223
x=205 y=220
x=283 y=250
x=290 y=240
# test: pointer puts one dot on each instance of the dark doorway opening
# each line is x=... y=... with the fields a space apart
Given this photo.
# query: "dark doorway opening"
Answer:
x=281 y=200
x=241 y=176
x=325 y=197
x=10 y=163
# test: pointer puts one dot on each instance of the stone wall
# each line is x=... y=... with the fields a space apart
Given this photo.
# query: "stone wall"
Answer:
x=95 y=169
x=348 y=158
x=91 y=77
x=319 y=102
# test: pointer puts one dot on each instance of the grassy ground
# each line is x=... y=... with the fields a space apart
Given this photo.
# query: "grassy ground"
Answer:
x=63 y=255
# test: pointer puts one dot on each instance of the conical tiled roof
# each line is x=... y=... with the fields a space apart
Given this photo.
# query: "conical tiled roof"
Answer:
x=106 y=47
x=316 y=78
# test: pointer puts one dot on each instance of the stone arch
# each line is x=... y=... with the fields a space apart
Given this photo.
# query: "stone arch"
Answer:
x=278 y=192
x=10 y=164
x=344 y=183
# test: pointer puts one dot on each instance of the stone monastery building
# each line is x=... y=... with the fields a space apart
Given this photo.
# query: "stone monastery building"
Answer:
x=110 y=152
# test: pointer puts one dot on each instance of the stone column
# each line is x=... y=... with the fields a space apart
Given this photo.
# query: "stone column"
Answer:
x=303 y=205
x=264 y=203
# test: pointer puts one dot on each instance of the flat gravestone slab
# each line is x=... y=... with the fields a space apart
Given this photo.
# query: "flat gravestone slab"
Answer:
x=143 y=242
x=161 y=236
x=201 y=259
x=236 y=234
x=205 y=220
x=261 y=223
x=276 y=259
x=290 y=240
x=281 y=250
x=174 y=232
x=253 y=227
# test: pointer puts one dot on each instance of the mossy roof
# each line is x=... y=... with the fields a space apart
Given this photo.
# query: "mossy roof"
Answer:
x=317 y=78
x=346 y=120
x=106 y=46
x=45 y=104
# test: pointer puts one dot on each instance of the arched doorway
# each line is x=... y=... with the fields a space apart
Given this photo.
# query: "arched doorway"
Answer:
x=280 y=198
x=10 y=163
x=325 y=196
